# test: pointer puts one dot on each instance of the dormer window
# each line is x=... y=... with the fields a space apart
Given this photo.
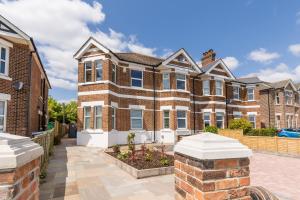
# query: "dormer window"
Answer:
x=3 y=60
x=289 y=97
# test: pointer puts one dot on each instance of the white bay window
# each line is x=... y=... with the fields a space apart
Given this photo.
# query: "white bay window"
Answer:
x=86 y=117
x=181 y=119
x=2 y=115
x=98 y=117
x=206 y=87
x=136 y=119
x=219 y=88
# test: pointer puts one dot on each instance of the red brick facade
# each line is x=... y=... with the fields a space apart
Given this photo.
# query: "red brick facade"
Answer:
x=153 y=99
x=25 y=110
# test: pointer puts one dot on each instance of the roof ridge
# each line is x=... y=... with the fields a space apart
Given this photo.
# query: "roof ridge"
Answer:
x=139 y=54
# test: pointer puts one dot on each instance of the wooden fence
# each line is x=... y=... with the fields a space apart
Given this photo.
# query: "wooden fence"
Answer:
x=280 y=145
x=46 y=140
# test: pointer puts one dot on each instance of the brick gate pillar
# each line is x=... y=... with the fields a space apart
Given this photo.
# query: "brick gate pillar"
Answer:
x=211 y=167
x=19 y=167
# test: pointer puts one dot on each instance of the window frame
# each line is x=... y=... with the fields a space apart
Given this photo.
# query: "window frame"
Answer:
x=114 y=73
x=4 y=115
x=182 y=80
x=220 y=88
x=239 y=114
x=140 y=79
x=164 y=117
x=139 y=118
x=113 y=118
x=277 y=98
x=98 y=116
x=204 y=120
x=238 y=92
x=185 y=119
x=223 y=119
x=288 y=97
x=164 y=79
x=252 y=122
x=277 y=122
x=85 y=70
x=96 y=69
x=6 y=60
x=253 y=94
x=85 y=116
x=206 y=88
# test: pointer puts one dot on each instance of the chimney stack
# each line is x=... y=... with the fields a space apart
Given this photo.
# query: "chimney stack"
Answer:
x=208 y=57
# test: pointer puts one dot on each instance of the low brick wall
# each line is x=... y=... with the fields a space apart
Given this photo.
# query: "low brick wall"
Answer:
x=21 y=183
x=279 y=145
x=211 y=179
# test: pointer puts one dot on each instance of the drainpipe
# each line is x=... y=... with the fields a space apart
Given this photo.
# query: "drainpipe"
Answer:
x=269 y=108
x=194 y=106
x=29 y=95
x=226 y=104
x=154 y=105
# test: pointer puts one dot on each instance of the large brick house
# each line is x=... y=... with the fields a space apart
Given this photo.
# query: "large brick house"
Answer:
x=158 y=98
x=23 y=83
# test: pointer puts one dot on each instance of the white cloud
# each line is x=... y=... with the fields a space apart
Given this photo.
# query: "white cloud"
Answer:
x=231 y=62
x=60 y=27
x=262 y=55
x=280 y=72
x=295 y=49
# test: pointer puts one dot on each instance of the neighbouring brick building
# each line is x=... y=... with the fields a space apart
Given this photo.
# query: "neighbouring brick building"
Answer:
x=160 y=98
x=23 y=83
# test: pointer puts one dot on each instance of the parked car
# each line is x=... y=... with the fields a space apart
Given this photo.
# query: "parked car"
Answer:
x=288 y=132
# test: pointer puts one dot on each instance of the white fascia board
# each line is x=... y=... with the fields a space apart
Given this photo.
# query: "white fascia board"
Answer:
x=206 y=110
x=182 y=51
x=221 y=62
x=14 y=28
x=165 y=107
x=93 y=58
x=137 y=107
x=292 y=84
x=88 y=43
x=5 y=43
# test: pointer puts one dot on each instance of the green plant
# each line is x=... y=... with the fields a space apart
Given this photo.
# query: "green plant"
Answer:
x=211 y=129
x=164 y=161
x=123 y=155
x=130 y=141
x=116 y=148
x=262 y=132
x=243 y=124
x=148 y=155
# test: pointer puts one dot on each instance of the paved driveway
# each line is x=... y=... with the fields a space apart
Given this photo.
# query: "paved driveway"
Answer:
x=77 y=172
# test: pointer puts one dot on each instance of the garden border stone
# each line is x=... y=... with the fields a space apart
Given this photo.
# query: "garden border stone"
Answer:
x=141 y=173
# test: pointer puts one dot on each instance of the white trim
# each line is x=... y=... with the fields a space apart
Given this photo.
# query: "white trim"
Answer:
x=222 y=87
x=163 y=119
x=114 y=104
x=293 y=86
x=206 y=110
x=221 y=62
x=185 y=82
x=185 y=118
x=6 y=43
x=210 y=102
x=203 y=93
x=93 y=58
x=183 y=108
x=277 y=114
x=92 y=103
x=91 y=41
x=6 y=61
x=132 y=78
x=14 y=28
x=166 y=108
x=220 y=110
x=2 y=76
x=5 y=115
x=239 y=106
x=251 y=113
x=137 y=107
x=5 y=97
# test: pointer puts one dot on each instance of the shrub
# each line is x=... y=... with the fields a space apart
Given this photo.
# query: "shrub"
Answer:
x=211 y=129
x=164 y=161
x=116 y=148
x=148 y=155
x=130 y=141
x=262 y=132
x=243 y=124
x=123 y=155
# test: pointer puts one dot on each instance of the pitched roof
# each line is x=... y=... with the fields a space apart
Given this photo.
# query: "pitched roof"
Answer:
x=297 y=85
x=209 y=66
x=249 y=80
x=139 y=58
x=280 y=84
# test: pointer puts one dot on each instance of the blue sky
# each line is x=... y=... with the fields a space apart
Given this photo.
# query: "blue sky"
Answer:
x=256 y=37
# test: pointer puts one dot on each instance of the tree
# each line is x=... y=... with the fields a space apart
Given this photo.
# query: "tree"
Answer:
x=57 y=110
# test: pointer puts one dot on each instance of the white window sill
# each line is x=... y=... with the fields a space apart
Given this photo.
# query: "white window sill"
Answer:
x=251 y=100
x=3 y=76
x=92 y=131
x=166 y=129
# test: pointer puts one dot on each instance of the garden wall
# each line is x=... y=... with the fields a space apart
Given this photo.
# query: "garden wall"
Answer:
x=286 y=146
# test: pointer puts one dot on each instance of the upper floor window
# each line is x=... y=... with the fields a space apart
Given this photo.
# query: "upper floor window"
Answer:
x=181 y=119
x=3 y=61
x=289 y=97
x=86 y=117
x=166 y=119
x=277 y=98
x=206 y=87
x=237 y=115
x=136 y=119
x=180 y=81
x=98 y=117
x=2 y=115
x=88 y=71
x=166 y=81
x=98 y=64
x=219 y=88
x=114 y=73
x=236 y=92
x=250 y=94
x=206 y=119
x=136 y=78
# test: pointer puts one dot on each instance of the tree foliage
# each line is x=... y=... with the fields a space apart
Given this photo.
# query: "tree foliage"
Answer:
x=57 y=110
x=243 y=124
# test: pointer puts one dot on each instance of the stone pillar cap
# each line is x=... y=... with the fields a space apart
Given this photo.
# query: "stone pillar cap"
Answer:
x=15 y=151
x=209 y=146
